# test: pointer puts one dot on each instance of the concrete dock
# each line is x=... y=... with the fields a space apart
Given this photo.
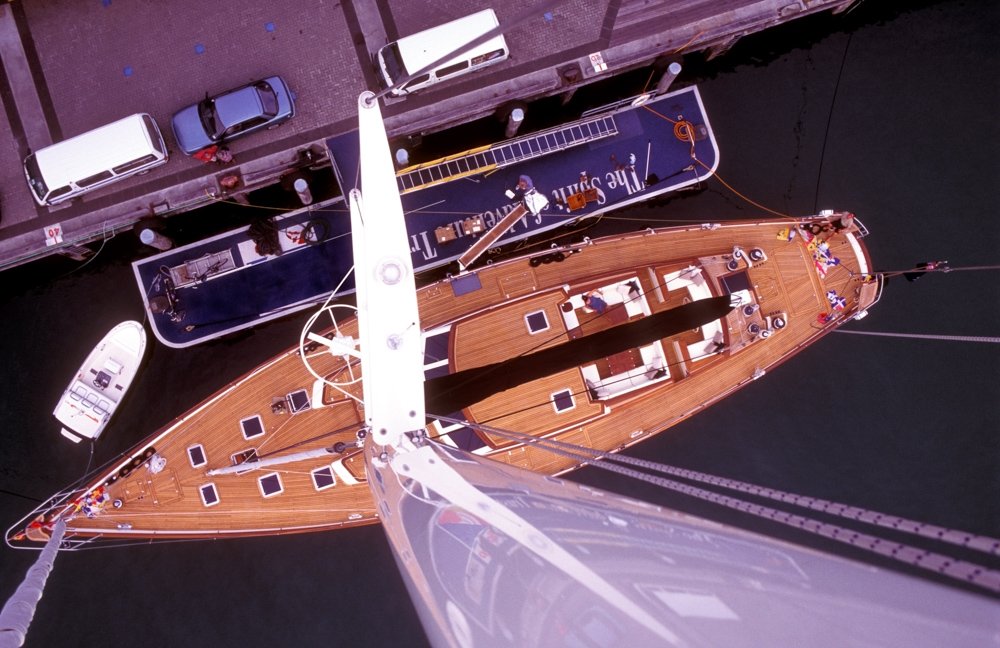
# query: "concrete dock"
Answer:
x=69 y=67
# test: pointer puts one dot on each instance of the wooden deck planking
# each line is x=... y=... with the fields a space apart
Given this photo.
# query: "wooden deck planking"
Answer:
x=503 y=333
x=787 y=282
x=529 y=408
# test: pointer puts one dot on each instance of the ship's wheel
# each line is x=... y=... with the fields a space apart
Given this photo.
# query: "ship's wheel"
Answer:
x=324 y=337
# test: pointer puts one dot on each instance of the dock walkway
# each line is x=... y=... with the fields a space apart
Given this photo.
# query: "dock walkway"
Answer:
x=51 y=92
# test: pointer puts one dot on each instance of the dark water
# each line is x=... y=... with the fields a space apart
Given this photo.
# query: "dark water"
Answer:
x=908 y=427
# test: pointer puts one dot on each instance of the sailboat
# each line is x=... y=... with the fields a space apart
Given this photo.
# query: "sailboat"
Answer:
x=495 y=555
x=603 y=343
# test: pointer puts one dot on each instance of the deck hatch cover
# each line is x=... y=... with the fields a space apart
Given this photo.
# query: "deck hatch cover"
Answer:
x=563 y=400
x=196 y=454
x=736 y=282
x=323 y=478
x=270 y=485
x=537 y=322
x=209 y=496
x=298 y=401
x=252 y=426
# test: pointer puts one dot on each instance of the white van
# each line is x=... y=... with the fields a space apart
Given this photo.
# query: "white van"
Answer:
x=94 y=159
x=413 y=53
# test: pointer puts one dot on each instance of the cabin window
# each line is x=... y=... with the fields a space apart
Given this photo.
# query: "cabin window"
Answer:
x=537 y=322
x=196 y=454
x=323 y=478
x=563 y=400
x=209 y=496
x=298 y=401
x=270 y=485
x=252 y=426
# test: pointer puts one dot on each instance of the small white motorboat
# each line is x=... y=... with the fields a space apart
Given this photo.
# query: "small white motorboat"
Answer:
x=99 y=386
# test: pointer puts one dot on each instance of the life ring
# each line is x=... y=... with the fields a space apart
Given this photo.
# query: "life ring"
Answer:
x=641 y=99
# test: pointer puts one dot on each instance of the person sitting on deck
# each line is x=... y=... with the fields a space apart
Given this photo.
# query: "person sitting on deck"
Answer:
x=593 y=302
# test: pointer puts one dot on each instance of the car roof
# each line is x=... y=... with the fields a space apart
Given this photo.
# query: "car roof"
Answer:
x=238 y=106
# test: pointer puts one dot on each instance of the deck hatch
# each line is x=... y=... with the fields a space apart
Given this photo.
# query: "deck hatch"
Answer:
x=209 y=496
x=252 y=426
x=537 y=322
x=196 y=454
x=563 y=400
x=735 y=282
x=466 y=439
x=465 y=284
x=298 y=401
x=436 y=347
x=270 y=485
x=323 y=478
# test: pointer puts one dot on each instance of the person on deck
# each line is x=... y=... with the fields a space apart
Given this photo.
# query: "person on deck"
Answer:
x=594 y=302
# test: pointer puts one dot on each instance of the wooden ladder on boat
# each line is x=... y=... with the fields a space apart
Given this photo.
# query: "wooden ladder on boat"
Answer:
x=506 y=153
x=491 y=236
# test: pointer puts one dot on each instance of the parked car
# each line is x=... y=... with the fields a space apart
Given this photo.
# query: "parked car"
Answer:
x=233 y=114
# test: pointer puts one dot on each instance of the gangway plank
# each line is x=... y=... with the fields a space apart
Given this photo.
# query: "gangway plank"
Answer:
x=491 y=236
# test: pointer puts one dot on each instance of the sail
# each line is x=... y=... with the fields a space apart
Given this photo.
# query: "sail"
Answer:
x=481 y=570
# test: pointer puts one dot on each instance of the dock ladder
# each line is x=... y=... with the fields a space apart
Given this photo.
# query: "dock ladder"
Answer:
x=506 y=153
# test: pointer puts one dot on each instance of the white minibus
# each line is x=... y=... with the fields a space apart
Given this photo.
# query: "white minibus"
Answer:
x=413 y=53
x=94 y=159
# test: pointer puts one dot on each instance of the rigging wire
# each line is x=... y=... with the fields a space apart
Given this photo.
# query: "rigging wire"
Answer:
x=829 y=121
x=975 y=542
x=945 y=269
x=927 y=336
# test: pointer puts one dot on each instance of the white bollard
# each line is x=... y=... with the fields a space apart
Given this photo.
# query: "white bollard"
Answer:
x=302 y=188
x=668 y=77
x=153 y=239
x=514 y=121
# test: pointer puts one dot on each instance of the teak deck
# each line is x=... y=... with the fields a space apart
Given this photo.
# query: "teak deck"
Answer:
x=792 y=305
